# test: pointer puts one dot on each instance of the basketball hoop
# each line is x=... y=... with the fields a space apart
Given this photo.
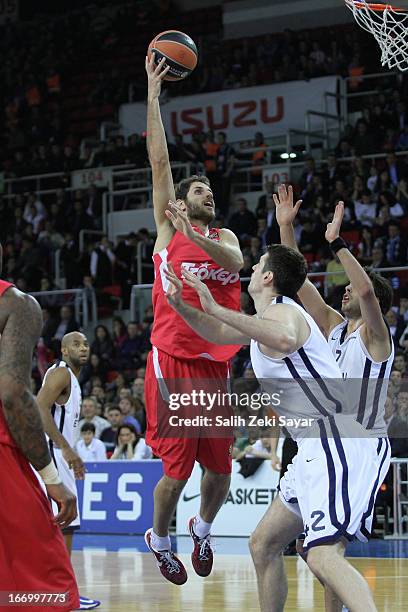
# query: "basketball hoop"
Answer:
x=389 y=26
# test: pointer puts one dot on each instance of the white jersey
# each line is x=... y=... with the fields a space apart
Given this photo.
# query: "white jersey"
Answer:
x=66 y=416
x=308 y=381
x=367 y=380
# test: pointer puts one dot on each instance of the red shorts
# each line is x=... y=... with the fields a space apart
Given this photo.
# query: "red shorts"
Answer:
x=179 y=454
x=33 y=555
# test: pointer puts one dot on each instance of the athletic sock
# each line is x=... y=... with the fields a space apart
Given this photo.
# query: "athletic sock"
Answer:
x=201 y=528
x=160 y=543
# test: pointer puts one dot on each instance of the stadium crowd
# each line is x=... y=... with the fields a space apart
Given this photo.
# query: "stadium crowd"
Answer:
x=45 y=84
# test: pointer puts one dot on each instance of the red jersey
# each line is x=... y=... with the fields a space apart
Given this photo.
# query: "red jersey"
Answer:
x=171 y=333
x=5 y=436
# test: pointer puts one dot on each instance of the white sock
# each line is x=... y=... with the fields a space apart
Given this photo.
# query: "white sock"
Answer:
x=201 y=528
x=159 y=543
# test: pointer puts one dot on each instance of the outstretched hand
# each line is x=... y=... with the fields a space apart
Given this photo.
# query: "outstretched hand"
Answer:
x=155 y=75
x=333 y=228
x=285 y=210
x=207 y=301
x=180 y=220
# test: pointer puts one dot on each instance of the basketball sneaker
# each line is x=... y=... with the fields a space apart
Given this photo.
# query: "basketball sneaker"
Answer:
x=169 y=565
x=202 y=556
x=88 y=604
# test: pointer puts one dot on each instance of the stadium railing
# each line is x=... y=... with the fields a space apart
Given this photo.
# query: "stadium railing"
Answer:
x=400 y=497
x=83 y=302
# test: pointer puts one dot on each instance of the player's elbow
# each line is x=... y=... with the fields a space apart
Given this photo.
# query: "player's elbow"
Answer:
x=286 y=343
x=236 y=264
x=11 y=391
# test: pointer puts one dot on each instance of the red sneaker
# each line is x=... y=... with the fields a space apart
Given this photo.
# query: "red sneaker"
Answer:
x=202 y=556
x=169 y=565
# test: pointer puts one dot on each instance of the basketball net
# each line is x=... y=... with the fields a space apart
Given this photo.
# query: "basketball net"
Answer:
x=389 y=26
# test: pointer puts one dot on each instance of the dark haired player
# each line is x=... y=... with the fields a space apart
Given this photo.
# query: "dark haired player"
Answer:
x=33 y=556
x=330 y=481
x=59 y=400
x=360 y=341
x=185 y=239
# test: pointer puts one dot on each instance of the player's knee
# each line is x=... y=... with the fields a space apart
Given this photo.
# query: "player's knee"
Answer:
x=171 y=485
x=263 y=548
x=318 y=560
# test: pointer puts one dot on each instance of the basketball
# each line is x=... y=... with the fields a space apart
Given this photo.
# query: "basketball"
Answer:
x=179 y=50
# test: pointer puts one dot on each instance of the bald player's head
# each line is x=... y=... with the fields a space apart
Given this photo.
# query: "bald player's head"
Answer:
x=75 y=349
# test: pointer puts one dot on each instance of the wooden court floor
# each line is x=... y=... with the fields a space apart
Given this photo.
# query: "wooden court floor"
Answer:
x=129 y=581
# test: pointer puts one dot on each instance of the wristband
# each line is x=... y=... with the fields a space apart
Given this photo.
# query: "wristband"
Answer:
x=338 y=244
x=50 y=475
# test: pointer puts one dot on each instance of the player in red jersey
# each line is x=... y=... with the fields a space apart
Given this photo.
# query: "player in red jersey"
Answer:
x=33 y=556
x=183 y=238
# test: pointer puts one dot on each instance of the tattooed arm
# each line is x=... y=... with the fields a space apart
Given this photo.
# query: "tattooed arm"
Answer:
x=20 y=328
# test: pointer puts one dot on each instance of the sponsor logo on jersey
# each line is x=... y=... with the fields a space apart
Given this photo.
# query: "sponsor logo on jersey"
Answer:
x=204 y=272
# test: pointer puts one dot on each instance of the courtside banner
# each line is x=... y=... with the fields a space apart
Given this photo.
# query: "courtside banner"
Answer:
x=247 y=501
x=270 y=109
x=117 y=496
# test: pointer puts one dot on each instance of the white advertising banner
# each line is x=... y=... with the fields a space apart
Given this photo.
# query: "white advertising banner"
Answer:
x=248 y=500
x=270 y=109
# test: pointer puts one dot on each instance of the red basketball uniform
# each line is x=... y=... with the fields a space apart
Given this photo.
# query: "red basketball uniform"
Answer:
x=33 y=555
x=179 y=353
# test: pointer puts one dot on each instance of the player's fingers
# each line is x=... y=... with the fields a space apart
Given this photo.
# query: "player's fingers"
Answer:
x=159 y=66
x=290 y=191
x=297 y=205
x=67 y=513
x=164 y=72
x=170 y=216
x=276 y=199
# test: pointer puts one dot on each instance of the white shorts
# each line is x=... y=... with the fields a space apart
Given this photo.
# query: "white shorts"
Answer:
x=68 y=479
x=332 y=484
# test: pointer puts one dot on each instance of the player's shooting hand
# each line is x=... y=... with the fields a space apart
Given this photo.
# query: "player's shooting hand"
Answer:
x=333 y=228
x=207 y=301
x=66 y=502
x=173 y=293
x=285 y=210
x=74 y=462
x=180 y=220
x=155 y=75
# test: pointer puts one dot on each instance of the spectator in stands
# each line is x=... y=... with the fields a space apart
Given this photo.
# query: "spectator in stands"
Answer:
x=224 y=167
x=396 y=325
x=108 y=436
x=378 y=259
x=129 y=352
x=398 y=427
x=95 y=366
x=308 y=238
x=395 y=245
x=363 y=140
x=130 y=446
x=89 y=448
x=127 y=407
x=365 y=209
x=243 y=221
x=102 y=263
x=400 y=363
x=89 y=415
x=56 y=327
x=396 y=169
x=102 y=346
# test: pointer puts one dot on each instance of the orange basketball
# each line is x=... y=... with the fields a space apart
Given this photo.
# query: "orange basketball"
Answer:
x=178 y=49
